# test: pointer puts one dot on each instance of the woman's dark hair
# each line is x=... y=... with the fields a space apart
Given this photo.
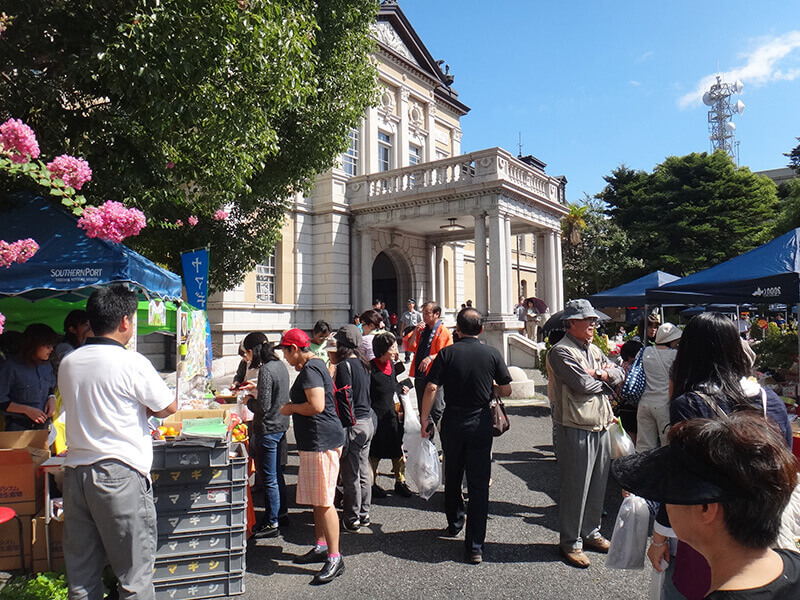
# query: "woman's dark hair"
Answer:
x=263 y=351
x=630 y=349
x=382 y=342
x=35 y=335
x=711 y=360
x=469 y=321
x=651 y=319
x=371 y=317
x=749 y=452
x=343 y=353
x=356 y=320
x=75 y=318
x=108 y=306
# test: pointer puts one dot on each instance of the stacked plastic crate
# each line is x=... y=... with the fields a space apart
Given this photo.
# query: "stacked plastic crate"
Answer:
x=200 y=494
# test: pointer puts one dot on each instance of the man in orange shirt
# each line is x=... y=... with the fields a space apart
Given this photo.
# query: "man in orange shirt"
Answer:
x=425 y=341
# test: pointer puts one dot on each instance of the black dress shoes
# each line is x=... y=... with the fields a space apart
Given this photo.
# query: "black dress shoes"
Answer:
x=452 y=530
x=473 y=558
x=378 y=491
x=402 y=490
x=314 y=555
x=332 y=568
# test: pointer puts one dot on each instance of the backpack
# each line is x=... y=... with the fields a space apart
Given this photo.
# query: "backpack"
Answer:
x=343 y=399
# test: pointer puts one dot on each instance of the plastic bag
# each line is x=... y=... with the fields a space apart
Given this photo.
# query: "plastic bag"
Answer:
x=629 y=540
x=621 y=442
x=422 y=459
x=657 y=582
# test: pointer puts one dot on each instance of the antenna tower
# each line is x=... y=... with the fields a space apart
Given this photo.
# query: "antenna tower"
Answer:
x=720 y=127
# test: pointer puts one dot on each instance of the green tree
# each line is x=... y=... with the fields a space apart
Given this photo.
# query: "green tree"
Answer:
x=601 y=258
x=186 y=107
x=692 y=211
x=789 y=215
x=794 y=158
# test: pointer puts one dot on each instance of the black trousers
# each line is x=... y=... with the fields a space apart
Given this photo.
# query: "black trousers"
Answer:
x=420 y=383
x=467 y=445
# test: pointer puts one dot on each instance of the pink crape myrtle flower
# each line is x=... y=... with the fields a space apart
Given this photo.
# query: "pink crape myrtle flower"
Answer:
x=111 y=221
x=179 y=223
x=73 y=171
x=18 y=139
x=17 y=252
x=192 y=221
x=2 y=322
x=221 y=215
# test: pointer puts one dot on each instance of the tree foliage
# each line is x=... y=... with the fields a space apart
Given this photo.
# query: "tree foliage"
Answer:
x=599 y=258
x=691 y=212
x=794 y=158
x=789 y=216
x=185 y=107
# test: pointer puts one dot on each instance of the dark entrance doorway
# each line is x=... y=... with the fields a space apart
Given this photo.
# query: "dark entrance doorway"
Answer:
x=384 y=282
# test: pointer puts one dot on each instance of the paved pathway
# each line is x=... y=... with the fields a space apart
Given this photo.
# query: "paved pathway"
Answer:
x=403 y=556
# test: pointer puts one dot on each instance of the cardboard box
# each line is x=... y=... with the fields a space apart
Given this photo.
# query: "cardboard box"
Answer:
x=39 y=538
x=21 y=483
x=9 y=544
x=179 y=417
x=40 y=565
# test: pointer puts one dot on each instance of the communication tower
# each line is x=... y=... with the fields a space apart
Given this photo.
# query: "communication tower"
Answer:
x=721 y=129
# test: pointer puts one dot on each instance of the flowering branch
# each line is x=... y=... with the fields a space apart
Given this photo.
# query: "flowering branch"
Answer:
x=17 y=252
x=112 y=221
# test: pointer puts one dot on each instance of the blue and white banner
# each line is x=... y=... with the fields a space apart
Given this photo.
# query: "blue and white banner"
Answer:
x=195 y=277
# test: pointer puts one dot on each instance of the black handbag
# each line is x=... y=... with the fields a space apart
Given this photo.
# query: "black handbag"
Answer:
x=500 y=423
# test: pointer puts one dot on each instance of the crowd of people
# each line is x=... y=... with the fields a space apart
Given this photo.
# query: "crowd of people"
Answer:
x=713 y=451
x=712 y=446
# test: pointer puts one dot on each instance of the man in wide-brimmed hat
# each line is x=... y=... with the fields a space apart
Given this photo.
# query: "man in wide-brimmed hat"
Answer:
x=581 y=416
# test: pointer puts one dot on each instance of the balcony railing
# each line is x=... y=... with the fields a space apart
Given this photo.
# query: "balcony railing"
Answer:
x=484 y=168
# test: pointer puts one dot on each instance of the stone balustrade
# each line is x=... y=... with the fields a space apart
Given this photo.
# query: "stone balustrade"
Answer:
x=486 y=168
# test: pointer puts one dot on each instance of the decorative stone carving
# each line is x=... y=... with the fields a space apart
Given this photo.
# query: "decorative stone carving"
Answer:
x=387 y=36
x=456 y=134
x=405 y=94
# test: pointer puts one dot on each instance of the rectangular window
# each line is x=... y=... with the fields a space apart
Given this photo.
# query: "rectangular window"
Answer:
x=384 y=151
x=414 y=154
x=350 y=157
x=265 y=279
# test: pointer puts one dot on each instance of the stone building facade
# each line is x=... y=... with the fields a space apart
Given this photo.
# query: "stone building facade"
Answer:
x=404 y=214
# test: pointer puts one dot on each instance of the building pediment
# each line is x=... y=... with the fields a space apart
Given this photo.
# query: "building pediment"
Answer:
x=395 y=35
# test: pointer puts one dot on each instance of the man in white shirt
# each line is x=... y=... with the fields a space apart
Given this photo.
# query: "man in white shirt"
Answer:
x=108 y=394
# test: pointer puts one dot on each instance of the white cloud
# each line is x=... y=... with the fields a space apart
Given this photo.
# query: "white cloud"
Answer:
x=644 y=56
x=634 y=83
x=761 y=66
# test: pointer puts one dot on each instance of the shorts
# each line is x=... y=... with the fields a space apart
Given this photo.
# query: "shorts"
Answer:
x=316 y=478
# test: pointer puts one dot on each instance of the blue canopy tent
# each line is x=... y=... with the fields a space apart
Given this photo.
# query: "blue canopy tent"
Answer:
x=69 y=265
x=767 y=274
x=632 y=293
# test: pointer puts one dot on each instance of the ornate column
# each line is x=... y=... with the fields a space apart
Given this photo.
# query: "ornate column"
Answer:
x=366 y=270
x=355 y=269
x=440 y=294
x=455 y=140
x=498 y=267
x=559 y=273
x=542 y=281
x=402 y=129
x=370 y=145
x=458 y=275
x=551 y=267
x=512 y=283
x=481 y=296
x=430 y=293
x=430 y=125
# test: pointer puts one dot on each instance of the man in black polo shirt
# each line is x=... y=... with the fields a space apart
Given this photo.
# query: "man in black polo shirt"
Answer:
x=469 y=371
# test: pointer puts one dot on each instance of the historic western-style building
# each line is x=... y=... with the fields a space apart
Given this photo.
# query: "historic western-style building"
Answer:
x=404 y=214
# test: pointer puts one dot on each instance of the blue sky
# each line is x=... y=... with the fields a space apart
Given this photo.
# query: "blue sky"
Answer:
x=591 y=85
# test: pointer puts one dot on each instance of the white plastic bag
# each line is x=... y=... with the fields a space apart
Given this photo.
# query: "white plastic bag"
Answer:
x=629 y=540
x=422 y=459
x=621 y=442
x=657 y=581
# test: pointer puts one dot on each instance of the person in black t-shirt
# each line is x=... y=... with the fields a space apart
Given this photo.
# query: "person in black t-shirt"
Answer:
x=725 y=483
x=319 y=436
x=471 y=374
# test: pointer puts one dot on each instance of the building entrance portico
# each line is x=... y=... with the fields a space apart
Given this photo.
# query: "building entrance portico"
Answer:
x=470 y=204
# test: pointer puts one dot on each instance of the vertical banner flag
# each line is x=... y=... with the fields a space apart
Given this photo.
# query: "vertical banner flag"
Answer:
x=195 y=276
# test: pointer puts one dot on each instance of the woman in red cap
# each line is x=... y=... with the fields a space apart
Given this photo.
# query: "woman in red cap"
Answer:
x=320 y=437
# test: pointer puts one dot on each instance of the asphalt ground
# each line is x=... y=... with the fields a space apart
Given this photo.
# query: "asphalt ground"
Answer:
x=403 y=555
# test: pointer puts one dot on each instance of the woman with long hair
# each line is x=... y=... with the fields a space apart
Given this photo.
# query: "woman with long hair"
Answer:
x=710 y=378
x=319 y=436
x=268 y=434
x=352 y=380
x=27 y=381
